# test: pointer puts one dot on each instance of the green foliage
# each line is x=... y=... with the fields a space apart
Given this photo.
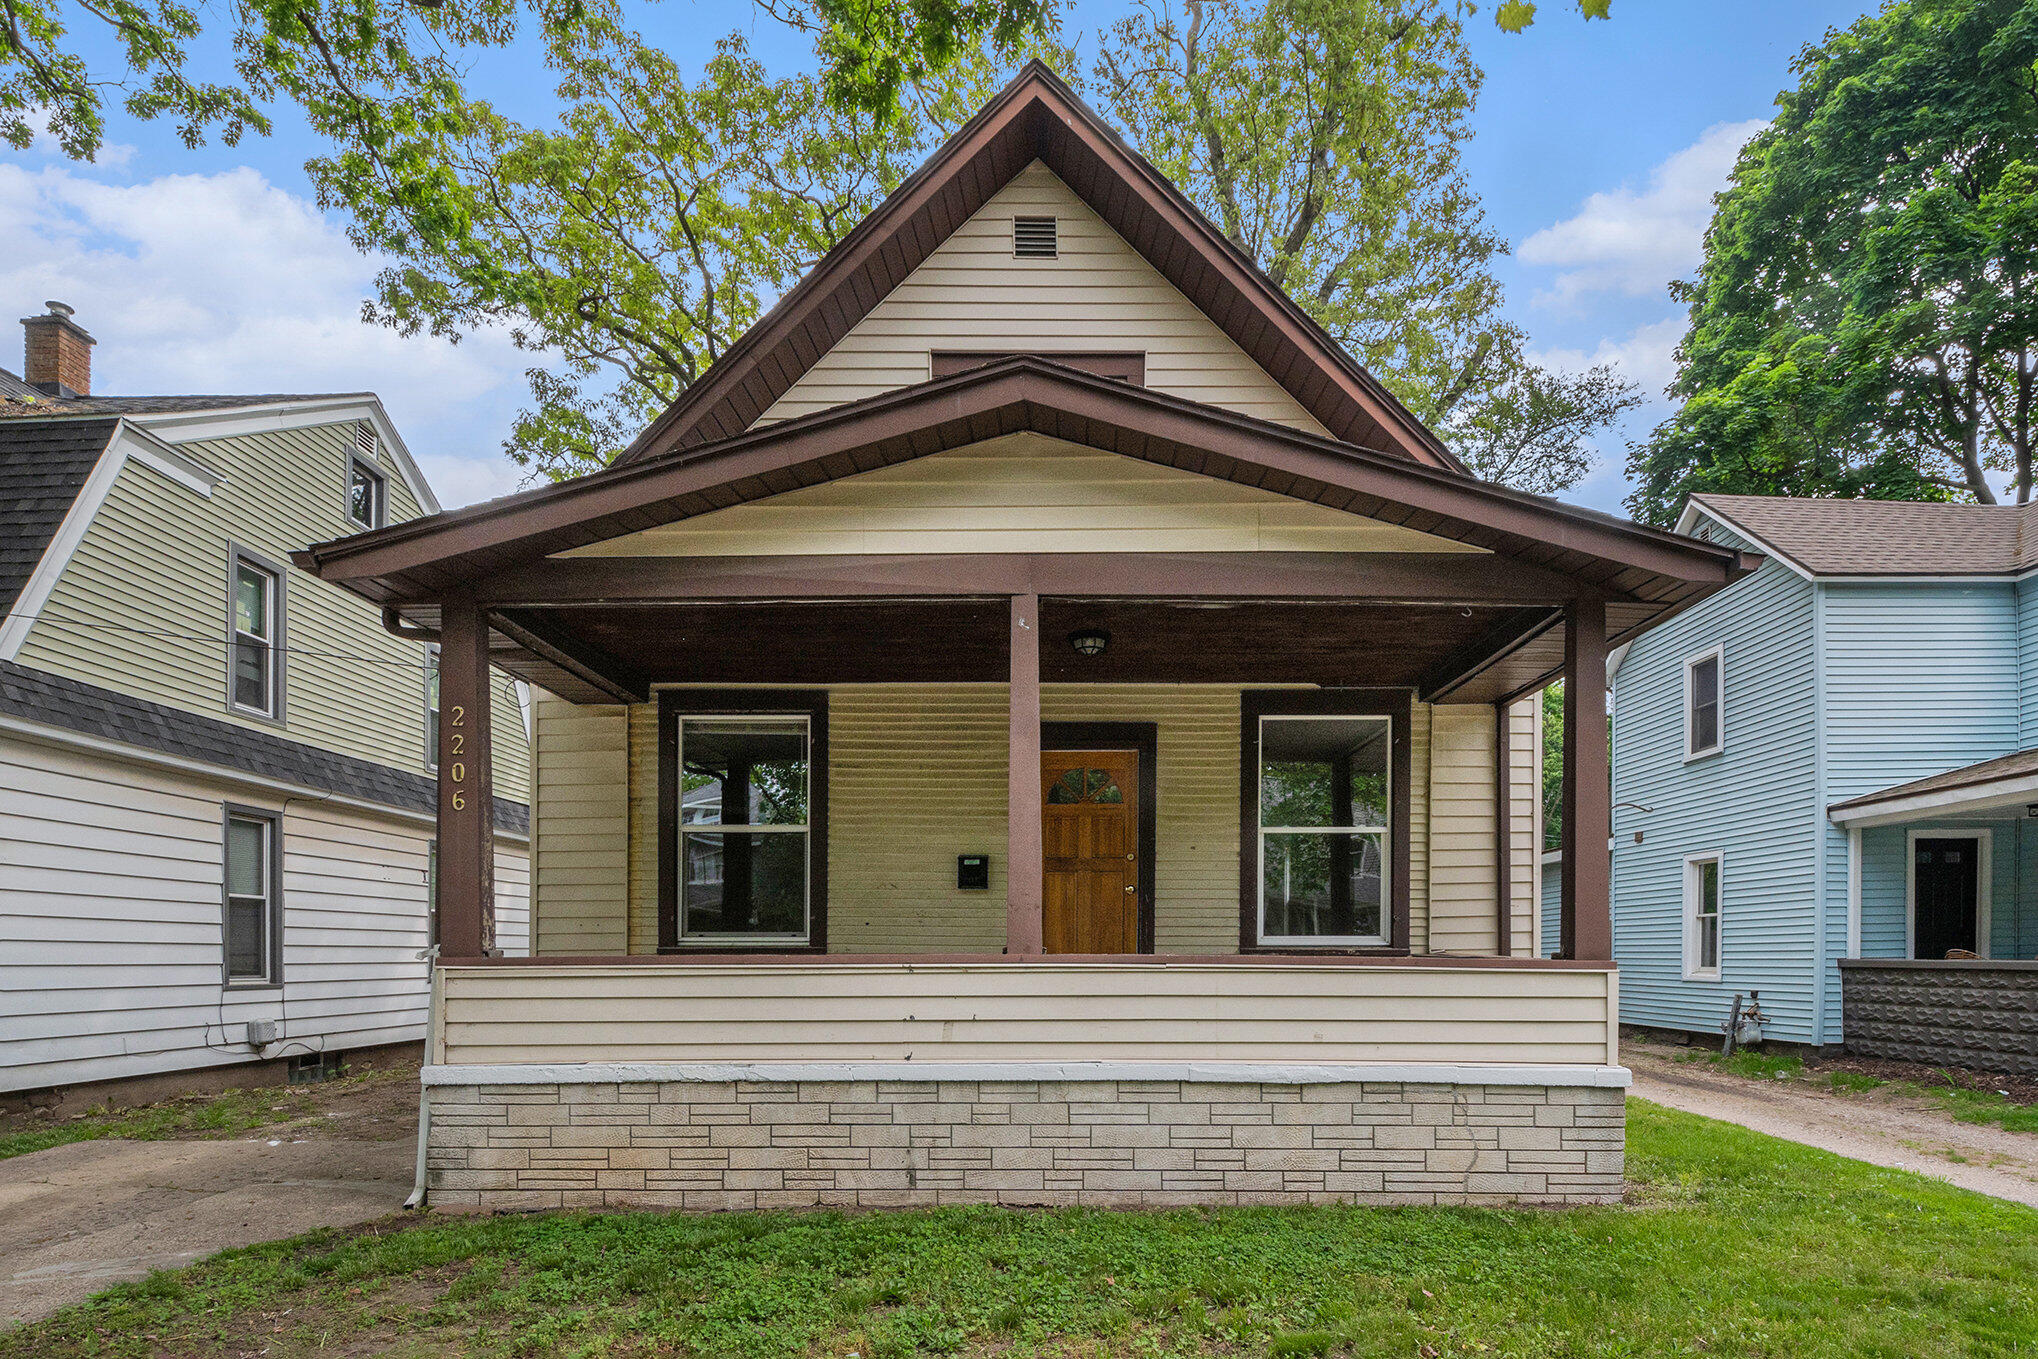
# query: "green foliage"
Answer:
x=1553 y=766
x=1737 y=1244
x=1324 y=137
x=1865 y=322
x=644 y=233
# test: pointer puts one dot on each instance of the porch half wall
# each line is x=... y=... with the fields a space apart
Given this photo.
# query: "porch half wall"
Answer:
x=917 y=776
x=703 y=1084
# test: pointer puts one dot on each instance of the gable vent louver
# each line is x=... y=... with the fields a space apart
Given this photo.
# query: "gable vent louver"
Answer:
x=364 y=439
x=1033 y=238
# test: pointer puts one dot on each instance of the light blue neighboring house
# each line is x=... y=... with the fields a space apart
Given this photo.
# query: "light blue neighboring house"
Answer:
x=1822 y=779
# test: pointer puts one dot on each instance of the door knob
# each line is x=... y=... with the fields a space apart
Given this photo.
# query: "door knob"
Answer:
x=1128 y=887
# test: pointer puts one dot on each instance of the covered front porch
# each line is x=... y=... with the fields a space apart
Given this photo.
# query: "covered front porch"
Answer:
x=1028 y=787
x=1942 y=918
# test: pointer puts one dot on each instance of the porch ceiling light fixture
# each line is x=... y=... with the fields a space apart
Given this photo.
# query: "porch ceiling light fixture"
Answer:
x=1090 y=641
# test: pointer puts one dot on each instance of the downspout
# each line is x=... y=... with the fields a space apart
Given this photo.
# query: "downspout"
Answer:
x=432 y=1002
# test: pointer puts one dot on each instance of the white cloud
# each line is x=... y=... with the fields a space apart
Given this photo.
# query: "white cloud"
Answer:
x=1636 y=241
x=1646 y=355
x=199 y=283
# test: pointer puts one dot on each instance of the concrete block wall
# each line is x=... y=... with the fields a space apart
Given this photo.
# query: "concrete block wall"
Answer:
x=709 y=1145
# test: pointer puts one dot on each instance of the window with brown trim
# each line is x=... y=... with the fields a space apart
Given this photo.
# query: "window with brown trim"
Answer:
x=1323 y=820
x=743 y=835
x=1127 y=367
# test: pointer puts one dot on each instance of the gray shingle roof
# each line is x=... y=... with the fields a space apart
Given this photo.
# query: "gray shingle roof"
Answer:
x=1886 y=537
x=44 y=464
x=2019 y=765
x=35 y=406
x=54 y=700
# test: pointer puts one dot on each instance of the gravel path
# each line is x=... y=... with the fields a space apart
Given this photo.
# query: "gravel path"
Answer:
x=1883 y=1129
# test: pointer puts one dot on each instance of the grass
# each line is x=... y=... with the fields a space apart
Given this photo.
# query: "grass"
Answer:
x=1737 y=1244
x=230 y=1112
x=1960 y=1103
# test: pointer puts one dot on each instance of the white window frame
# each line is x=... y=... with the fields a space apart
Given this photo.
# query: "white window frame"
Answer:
x=1984 y=868
x=272 y=898
x=237 y=558
x=805 y=829
x=1717 y=655
x=1691 y=898
x=1385 y=831
x=431 y=707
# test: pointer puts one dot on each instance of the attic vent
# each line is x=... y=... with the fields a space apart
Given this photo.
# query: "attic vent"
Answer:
x=364 y=439
x=1033 y=238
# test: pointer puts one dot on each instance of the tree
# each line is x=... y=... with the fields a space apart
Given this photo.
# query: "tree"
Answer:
x=1865 y=318
x=641 y=236
x=1324 y=139
x=1553 y=766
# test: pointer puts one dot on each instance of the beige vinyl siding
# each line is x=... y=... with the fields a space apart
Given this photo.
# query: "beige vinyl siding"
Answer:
x=1021 y=493
x=1099 y=294
x=1027 y=1012
x=580 y=830
x=110 y=922
x=1462 y=877
x=141 y=608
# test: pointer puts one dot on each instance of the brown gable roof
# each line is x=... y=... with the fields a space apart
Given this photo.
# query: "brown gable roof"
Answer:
x=2022 y=764
x=421 y=558
x=1037 y=117
x=1886 y=537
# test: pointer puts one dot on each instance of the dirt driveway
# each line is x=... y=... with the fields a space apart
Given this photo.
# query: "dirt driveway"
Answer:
x=1883 y=1128
x=78 y=1218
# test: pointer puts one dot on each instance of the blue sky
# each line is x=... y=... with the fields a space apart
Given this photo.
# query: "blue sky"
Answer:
x=1598 y=147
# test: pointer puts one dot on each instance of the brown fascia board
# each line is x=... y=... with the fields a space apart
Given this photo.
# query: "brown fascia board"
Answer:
x=1037 y=116
x=1023 y=392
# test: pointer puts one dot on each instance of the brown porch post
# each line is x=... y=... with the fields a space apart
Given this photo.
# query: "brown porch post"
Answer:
x=1503 y=849
x=1023 y=871
x=1588 y=816
x=466 y=790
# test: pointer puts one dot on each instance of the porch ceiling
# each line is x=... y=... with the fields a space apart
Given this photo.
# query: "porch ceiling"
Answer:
x=963 y=640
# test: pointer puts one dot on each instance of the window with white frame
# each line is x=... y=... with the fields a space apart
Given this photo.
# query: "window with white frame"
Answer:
x=1704 y=730
x=255 y=619
x=432 y=706
x=1324 y=800
x=744 y=834
x=1702 y=917
x=253 y=898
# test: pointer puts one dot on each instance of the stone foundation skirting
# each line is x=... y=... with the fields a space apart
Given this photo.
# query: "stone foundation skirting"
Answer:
x=1978 y=1014
x=554 y=1137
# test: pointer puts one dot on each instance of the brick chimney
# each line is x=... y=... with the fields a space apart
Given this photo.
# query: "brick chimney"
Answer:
x=58 y=360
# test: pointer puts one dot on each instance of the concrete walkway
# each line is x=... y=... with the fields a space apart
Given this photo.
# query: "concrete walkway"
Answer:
x=1905 y=1134
x=79 y=1218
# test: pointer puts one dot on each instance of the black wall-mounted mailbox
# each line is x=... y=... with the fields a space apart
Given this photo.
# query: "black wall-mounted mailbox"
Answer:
x=973 y=872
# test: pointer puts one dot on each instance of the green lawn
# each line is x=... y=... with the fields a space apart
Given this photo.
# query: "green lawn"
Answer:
x=1737 y=1244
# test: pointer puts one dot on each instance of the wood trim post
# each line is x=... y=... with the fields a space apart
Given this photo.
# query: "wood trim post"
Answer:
x=1588 y=815
x=1503 y=827
x=466 y=788
x=1023 y=865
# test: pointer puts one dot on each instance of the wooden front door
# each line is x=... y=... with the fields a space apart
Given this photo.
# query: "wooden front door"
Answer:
x=1089 y=809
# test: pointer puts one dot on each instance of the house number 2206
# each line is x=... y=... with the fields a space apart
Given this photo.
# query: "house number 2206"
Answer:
x=457 y=742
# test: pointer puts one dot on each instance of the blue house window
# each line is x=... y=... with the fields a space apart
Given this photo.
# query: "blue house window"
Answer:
x=1704 y=727
x=1702 y=917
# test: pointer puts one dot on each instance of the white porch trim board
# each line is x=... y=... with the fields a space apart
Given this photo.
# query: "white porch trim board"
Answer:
x=1271 y=1073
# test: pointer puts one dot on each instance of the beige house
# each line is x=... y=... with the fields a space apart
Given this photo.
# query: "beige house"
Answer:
x=1035 y=722
x=216 y=792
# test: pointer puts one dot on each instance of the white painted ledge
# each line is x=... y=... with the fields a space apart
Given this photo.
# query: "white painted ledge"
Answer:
x=1270 y=1073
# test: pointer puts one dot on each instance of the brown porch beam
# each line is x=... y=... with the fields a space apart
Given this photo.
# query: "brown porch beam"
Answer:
x=466 y=811
x=586 y=663
x=1588 y=816
x=1443 y=578
x=1024 y=869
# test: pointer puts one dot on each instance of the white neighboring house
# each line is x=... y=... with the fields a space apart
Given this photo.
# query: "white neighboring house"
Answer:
x=216 y=797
